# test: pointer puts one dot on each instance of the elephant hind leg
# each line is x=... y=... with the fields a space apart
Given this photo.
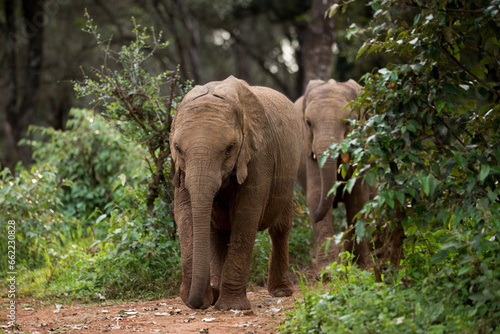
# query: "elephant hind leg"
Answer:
x=278 y=283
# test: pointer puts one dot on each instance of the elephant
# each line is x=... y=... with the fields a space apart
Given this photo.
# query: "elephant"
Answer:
x=324 y=122
x=236 y=151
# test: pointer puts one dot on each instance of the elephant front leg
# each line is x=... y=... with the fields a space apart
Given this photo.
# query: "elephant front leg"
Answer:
x=354 y=203
x=219 y=243
x=236 y=268
x=278 y=282
x=322 y=229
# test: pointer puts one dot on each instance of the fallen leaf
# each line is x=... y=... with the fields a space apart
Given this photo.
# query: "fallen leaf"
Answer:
x=162 y=313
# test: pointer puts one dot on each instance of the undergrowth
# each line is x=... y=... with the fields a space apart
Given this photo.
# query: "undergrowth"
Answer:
x=352 y=302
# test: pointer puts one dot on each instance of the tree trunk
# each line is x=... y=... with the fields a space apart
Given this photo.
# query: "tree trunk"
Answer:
x=316 y=52
x=18 y=114
x=9 y=124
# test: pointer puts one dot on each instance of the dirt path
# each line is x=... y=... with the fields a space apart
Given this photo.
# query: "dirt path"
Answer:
x=160 y=316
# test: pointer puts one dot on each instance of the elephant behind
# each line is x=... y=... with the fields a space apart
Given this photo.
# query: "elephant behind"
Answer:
x=325 y=122
x=236 y=151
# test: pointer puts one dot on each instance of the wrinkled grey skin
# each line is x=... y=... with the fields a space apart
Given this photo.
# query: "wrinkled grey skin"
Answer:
x=237 y=151
x=324 y=122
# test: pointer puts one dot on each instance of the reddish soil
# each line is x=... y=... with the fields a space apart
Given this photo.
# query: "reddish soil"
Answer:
x=159 y=316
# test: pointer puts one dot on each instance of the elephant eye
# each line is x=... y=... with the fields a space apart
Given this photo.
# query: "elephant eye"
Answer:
x=229 y=149
x=177 y=148
x=308 y=122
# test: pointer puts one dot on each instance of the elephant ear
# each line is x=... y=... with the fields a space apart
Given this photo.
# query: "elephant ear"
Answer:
x=310 y=86
x=252 y=117
x=176 y=178
x=354 y=89
x=351 y=91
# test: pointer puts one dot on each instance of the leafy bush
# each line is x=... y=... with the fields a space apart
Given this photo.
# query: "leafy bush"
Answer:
x=354 y=303
x=31 y=199
x=136 y=100
x=90 y=155
x=107 y=242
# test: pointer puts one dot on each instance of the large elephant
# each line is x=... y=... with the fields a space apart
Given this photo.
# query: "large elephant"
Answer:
x=324 y=122
x=236 y=151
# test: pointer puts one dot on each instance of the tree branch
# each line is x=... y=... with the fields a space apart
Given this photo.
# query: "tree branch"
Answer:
x=462 y=66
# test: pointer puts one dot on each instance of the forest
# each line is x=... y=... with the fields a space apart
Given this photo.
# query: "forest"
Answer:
x=88 y=92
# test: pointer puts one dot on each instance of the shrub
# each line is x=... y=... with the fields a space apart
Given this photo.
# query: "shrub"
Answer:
x=90 y=155
x=354 y=303
x=32 y=200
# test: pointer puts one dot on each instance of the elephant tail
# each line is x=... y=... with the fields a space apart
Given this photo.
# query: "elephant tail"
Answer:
x=296 y=207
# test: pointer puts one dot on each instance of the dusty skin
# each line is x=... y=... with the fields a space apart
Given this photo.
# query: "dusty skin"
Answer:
x=160 y=316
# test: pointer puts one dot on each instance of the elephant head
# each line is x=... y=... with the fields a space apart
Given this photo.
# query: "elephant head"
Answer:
x=215 y=131
x=325 y=122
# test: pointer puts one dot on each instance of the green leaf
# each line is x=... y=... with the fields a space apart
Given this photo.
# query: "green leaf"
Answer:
x=479 y=297
x=333 y=9
x=343 y=171
x=388 y=196
x=413 y=125
x=416 y=19
x=426 y=185
x=370 y=178
x=400 y=197
x=334 y=188
x=362 y=49
x=439 y=256
x=322 y=159
x=459 y=160
x=483 y=174
x=360 y=230
x=101 y=217
x=327 y=245
x=350 y=184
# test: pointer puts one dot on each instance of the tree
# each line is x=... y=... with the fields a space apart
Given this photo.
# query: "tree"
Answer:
x=140 y=104
x=431 y=141
x=23 y=69
x=316 y=49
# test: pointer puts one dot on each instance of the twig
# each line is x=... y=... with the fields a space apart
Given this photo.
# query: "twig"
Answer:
x=456 y=61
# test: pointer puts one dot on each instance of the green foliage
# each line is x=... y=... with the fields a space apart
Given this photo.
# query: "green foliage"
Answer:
x=141 y=250
x=138 y=253
x=136 y=100
x=430 y=143
x=32 y=200
x=88 y=155
x=354 y=303
x=82 y=223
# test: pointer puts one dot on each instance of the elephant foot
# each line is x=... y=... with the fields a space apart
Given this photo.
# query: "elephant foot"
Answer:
x=233 y=303
x=215 y=293
x=282 y=290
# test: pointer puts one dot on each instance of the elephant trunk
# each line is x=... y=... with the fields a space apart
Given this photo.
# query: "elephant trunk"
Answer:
x=328 y=178
x=202 y=186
